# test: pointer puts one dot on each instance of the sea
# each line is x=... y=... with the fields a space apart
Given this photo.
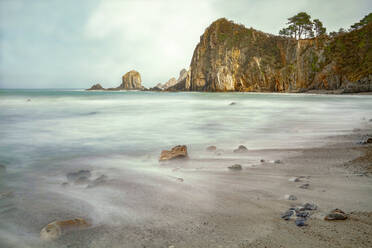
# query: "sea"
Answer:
x=47 y=133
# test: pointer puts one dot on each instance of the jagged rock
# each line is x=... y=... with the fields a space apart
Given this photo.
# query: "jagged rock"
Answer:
x=131 y=81
x=231 y=57
x=177 y=152
x=55 y=229
x=241 y=149
x=336 y=214
x=211 y=148
x=81 y=174
x=169 y=83
x=235 y=167
x=290 y=197
x=96 y=87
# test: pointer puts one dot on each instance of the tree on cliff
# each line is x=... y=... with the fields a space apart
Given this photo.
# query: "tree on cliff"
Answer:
x=300 y=26
x=367 y=19
x=319 y=28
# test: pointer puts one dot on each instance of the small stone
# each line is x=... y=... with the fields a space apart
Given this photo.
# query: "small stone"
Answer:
x=211 y=148
x=310 y=206
x=241 y=149
x=262 y=160
x=336 y=214
x=300 y=222
x=180 y=179
x=235 y=167
x=232 y=103
x=287 y=215
x=290 y=197
x=305 y=186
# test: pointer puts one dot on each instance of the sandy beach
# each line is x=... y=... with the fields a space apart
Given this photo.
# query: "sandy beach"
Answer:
x=200 y=203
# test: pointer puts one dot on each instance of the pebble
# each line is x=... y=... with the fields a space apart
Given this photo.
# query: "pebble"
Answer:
x=232 y=103
x=241 y=149
x=294 y=179
x=300 y=222
x=310 y=206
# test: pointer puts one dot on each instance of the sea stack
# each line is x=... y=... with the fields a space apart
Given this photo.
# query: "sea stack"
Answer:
x=131 y=81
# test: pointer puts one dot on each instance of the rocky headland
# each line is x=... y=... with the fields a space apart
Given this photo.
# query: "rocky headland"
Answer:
x=231 y=57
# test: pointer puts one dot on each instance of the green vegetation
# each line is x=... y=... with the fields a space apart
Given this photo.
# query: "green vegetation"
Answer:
x=300 y=26
x=367 y=19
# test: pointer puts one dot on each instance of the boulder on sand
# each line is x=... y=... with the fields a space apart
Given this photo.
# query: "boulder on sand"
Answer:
x=241 y=149
x=55 y=229
x=177 y=152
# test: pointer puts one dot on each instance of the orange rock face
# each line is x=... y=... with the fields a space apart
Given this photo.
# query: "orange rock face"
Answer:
x=177 y=152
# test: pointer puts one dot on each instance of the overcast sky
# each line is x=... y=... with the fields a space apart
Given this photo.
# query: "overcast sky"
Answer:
x=73 y=44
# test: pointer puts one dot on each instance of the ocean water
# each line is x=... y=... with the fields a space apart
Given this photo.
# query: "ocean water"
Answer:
x=45 y=134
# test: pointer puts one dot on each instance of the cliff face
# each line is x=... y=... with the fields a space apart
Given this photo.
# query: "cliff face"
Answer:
x=230 y=57
x=131 y=81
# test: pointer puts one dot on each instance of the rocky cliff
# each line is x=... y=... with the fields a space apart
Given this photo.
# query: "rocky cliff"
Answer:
x=231 y=57
x=131 y=81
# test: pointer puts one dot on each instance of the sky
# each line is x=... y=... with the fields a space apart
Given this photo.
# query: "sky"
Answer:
x=75 y=44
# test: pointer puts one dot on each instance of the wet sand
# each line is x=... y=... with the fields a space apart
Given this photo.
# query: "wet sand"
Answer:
x=200 y=203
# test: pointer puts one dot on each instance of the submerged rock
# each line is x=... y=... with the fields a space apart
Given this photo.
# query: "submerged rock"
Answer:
x=98 y=181
x=177 y=152
x=336 y=214
x=232 y=103
x=277 y=161
x=55 y=229
x=241 y=149
x=294 y=179
x=79 y=175
x=211 y=148
x=235 y=167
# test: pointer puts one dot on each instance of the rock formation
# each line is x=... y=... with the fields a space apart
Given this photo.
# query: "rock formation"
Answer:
x=96 y=87
x=131 y=81
x=171 y=82
x=177 y=152
x=231 y=57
